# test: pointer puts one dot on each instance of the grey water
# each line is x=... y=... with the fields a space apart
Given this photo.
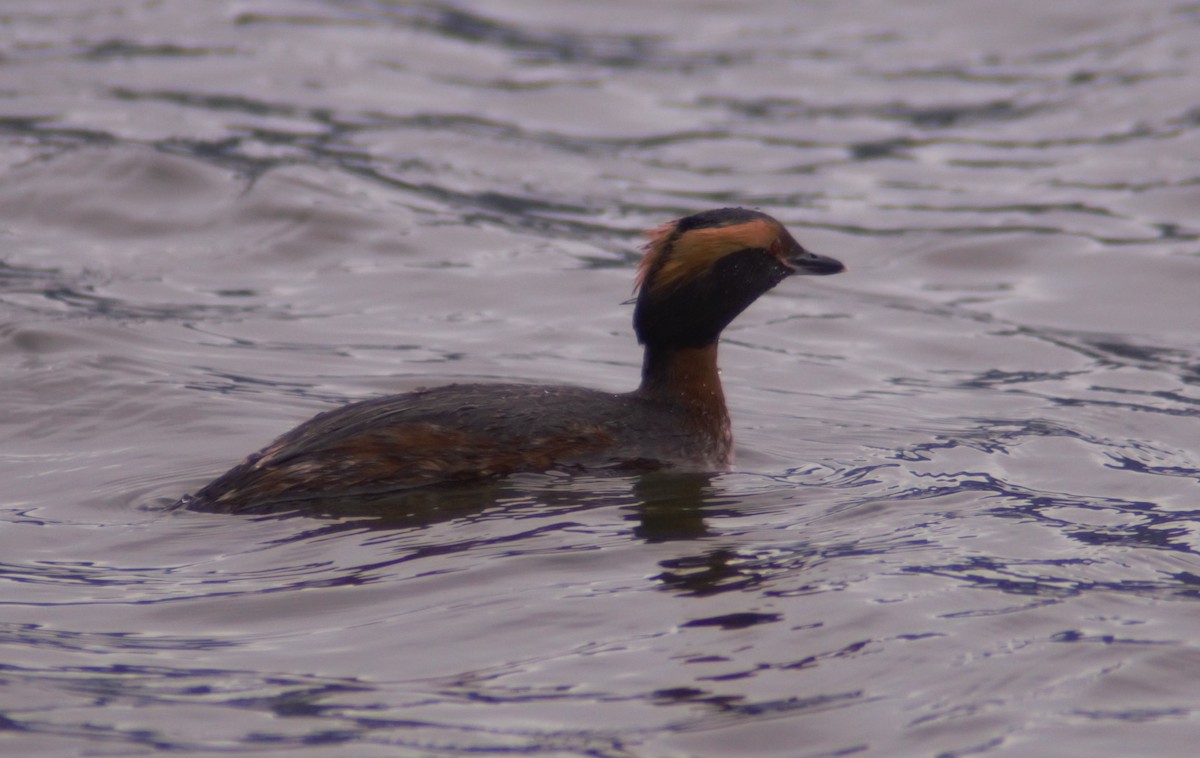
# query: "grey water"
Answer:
x=963 y=519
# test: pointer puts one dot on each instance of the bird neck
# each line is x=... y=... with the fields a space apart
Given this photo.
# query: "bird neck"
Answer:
x=687 y=377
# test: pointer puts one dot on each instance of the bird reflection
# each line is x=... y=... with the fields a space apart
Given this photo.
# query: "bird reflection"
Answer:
x=666 y=505
x=662 y=505
x=669 y=506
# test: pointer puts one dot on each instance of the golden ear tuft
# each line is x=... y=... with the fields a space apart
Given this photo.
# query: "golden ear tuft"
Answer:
x=655 y=251
x=696 y=251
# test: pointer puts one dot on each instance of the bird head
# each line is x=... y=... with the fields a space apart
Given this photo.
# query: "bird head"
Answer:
x=700 y=271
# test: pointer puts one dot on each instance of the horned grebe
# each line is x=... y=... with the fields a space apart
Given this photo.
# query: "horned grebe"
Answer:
x=697 y=275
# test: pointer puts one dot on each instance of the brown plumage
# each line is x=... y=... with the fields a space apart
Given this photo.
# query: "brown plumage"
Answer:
x=699 y=272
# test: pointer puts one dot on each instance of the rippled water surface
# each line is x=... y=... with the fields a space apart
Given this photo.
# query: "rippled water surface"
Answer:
x=963 y=519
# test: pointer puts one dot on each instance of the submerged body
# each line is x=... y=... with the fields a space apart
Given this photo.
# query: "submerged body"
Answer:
x=698 y=274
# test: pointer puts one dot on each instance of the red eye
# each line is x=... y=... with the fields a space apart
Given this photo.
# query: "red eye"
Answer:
x=776 y=249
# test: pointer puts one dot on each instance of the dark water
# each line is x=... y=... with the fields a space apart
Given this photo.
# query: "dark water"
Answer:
x=964 y=515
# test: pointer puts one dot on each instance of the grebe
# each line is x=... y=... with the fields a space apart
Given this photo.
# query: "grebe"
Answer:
x=698 y=273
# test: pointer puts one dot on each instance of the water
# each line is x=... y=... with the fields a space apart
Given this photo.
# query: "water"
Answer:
x=963 y=518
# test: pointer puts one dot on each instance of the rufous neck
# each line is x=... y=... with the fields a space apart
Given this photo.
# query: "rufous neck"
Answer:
x=687 y=376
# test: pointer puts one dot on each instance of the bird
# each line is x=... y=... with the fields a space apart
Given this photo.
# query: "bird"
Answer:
x=697 y=273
